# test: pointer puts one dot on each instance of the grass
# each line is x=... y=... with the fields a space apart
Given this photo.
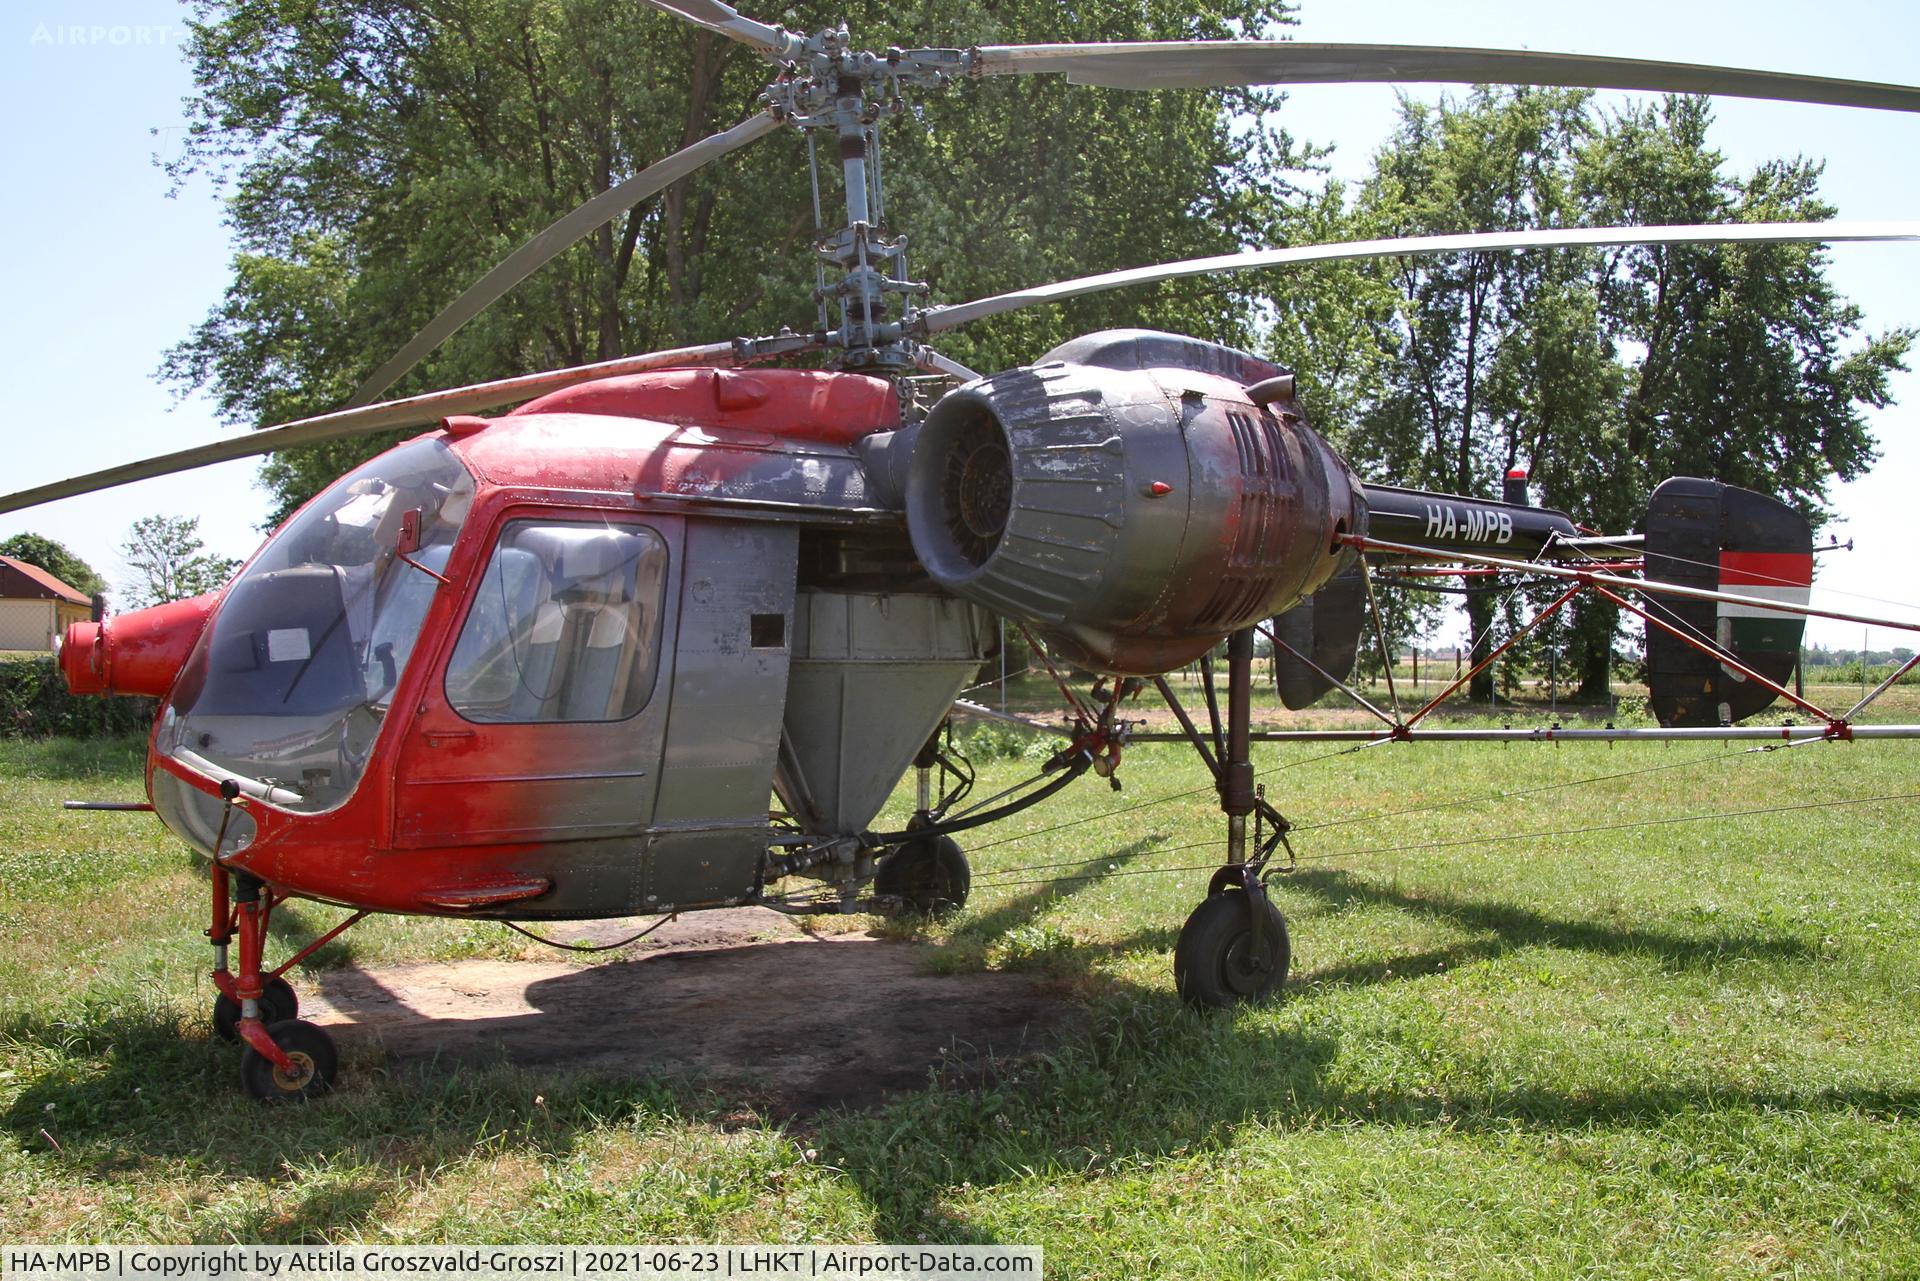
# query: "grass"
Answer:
x=1684 y=1049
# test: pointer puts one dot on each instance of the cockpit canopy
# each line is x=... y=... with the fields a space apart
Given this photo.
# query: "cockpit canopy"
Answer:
x=289 y=684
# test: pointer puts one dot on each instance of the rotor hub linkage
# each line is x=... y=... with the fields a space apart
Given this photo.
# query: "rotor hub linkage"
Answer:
x=824 y=86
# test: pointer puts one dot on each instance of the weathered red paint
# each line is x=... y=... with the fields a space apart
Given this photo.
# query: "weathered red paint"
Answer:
x=135 y=653
x=1765 y=569
x=627 y=447
x=804 y=404
x=439 y=823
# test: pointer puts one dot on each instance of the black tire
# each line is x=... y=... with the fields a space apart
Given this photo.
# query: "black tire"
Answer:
x=278 y=1002
x=1214 y=963
x=313 y=1054
x=931 y=875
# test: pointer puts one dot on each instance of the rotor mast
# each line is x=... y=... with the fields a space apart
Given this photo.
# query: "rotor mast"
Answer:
x=869 y=308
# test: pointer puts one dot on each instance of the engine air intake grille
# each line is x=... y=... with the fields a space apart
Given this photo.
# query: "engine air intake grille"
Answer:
x=976 y=489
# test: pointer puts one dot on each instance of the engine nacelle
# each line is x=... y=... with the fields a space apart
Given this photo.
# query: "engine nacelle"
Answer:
x=1128 y=499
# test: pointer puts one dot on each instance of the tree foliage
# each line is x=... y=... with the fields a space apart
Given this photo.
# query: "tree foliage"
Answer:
x=383 y=153
x=166 y=561
x=36 y=549
x=1603 y=372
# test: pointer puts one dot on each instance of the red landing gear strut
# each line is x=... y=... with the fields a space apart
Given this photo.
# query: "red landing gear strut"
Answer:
x=285 y=1059
x=1234 y=947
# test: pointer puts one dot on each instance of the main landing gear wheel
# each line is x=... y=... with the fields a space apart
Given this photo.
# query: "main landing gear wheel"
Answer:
x=930 y=874
x=277 y=1003
x=314 y=1063
x=1216 y=963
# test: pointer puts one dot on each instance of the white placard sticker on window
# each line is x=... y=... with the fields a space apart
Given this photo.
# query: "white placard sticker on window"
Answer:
x=288 y=645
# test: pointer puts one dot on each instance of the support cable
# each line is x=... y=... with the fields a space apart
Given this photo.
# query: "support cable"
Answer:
x=592 y=947
x=1158 y=800
x=1477 y=840
x=1381 y=815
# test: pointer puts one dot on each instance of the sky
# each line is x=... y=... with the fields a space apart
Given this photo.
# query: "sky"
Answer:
x=109 y=265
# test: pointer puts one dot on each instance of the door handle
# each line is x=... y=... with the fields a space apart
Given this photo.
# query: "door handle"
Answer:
x=442 y=737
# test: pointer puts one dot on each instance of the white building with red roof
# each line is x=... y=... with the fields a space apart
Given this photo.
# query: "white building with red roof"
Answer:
x=35 y=606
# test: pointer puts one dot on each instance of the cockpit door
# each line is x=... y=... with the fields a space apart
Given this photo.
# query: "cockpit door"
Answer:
x=546 y=719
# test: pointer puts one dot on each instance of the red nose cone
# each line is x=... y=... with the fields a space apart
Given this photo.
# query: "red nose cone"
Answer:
x=137 y=653
x=80 y=652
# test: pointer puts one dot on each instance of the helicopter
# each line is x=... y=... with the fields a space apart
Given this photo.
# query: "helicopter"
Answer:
x=551 y=665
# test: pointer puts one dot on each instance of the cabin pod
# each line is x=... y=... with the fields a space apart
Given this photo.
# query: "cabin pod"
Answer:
x=1130 y=498
x=140 y=652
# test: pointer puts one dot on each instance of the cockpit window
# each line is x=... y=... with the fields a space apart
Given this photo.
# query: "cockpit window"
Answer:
x=290 y=683
x=565 y=625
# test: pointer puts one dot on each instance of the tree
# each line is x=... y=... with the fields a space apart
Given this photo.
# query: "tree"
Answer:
x=166 y=561
x=1481 y=342
x=382 y=154
x=1604 y=372
x=53 y=557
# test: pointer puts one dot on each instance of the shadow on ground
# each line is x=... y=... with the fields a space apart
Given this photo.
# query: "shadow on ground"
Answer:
x=792 y=1023
x=835 y=1035
x=1503 y=927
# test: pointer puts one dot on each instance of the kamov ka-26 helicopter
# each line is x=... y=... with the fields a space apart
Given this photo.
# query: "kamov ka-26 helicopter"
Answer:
x=552 y=665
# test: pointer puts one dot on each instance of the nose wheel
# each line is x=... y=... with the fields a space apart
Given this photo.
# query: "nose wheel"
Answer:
x=306 y=1073
x=278 y=1002
x=284 y=1059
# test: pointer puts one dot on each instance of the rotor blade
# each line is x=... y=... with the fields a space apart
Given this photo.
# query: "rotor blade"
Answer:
x=775 y=42
x=414 y=411
x=941 y=319
x=934 y=363
x=555 y=240
x=1201 y=64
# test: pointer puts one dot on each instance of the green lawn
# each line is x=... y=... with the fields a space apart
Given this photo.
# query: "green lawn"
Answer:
x=1677 y=1049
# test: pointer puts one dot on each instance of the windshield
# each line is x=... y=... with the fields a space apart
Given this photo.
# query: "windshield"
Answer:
x=289 y=685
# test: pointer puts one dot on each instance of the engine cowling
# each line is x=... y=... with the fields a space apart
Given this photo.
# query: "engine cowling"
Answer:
x=1128 y=499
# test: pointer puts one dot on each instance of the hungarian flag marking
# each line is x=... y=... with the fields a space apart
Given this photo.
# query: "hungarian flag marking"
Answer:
x=1786 y=577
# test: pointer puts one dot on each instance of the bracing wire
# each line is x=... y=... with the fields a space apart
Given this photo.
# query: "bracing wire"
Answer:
x=1633 y=825
x=1416 y=846
x=1770 y=579
x=1516 y=793
x=1158 y=800
x=996 y=680
x=984 y=876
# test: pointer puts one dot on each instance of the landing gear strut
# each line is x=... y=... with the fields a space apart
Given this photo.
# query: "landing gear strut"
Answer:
x=285 y=1059
x=1234 y=947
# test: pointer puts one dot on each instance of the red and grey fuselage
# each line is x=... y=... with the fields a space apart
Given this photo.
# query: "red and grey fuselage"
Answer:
x=554 y=664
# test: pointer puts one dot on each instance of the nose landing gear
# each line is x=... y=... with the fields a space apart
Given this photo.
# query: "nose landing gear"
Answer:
x=285 y=1059
x=278 y=1002
x=307 y=1071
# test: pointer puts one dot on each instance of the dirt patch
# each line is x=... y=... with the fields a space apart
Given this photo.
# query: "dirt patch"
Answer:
x=740 y=1001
